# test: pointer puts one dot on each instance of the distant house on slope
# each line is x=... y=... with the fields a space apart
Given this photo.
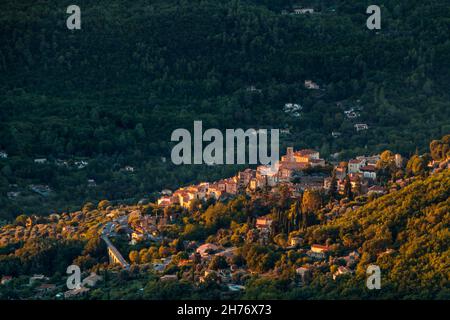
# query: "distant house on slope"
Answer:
x=311 y=85
x=318 y=251
x=361 y=127
x=300 y=10
x=40 y=160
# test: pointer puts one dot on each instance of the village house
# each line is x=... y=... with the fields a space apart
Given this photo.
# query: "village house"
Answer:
x=316 y=162
x=12 y=194
x=351 y=113
x=91 y=183
x=370 y=160
x=166 y=192
x=6 y=279
x=354 y=165
x=253 y=88
x=61 y=163
x=235 y=287
x=81 y=164
x=361 y=127
x=43 y=190
x=169 y=277
x=46 y=288
x=310 y=85
x=293 y=109
x=164 y=201
x=3 y=155
x=369 y=172
x=304 y=272
x=264 y=224
x=306 y=155
x=297 y=161
x=341 y=271
x=185 y=199
x=301 y=156
x=318 y=251
x=146 y=224
x=266 y=176
x=206 y=249
x=40 y=160
x=185 y=196
x=351 y=258
x=303 y=11
x=37 y=277
x=299 y=9
x=231 y=185
x=214 y=191
x=244 y=177
x=335 y=134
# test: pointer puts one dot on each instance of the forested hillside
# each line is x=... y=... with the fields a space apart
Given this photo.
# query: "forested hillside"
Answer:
x=405 y=233
x=112 y=92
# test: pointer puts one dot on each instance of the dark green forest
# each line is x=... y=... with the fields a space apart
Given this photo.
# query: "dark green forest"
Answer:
x=112 y=92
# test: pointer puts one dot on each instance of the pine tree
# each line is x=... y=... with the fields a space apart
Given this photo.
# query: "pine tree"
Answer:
x=348 y=188
x=333 y=186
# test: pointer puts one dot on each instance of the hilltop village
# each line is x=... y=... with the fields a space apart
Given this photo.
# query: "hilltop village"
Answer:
x=296 y=172
x=226 y=233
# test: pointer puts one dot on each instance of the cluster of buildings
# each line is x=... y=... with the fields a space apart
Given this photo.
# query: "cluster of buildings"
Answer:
x=293 y=109
x=298 y=10
x=362 y=172
x=322 y=256
x=135 y=225
x=250 y=180
x=45 y=190
x=352 y=114
x=203 y=255
x=42 y=287
x=291 y=172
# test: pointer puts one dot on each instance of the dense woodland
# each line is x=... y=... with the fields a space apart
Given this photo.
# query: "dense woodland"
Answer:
x=113 y=91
